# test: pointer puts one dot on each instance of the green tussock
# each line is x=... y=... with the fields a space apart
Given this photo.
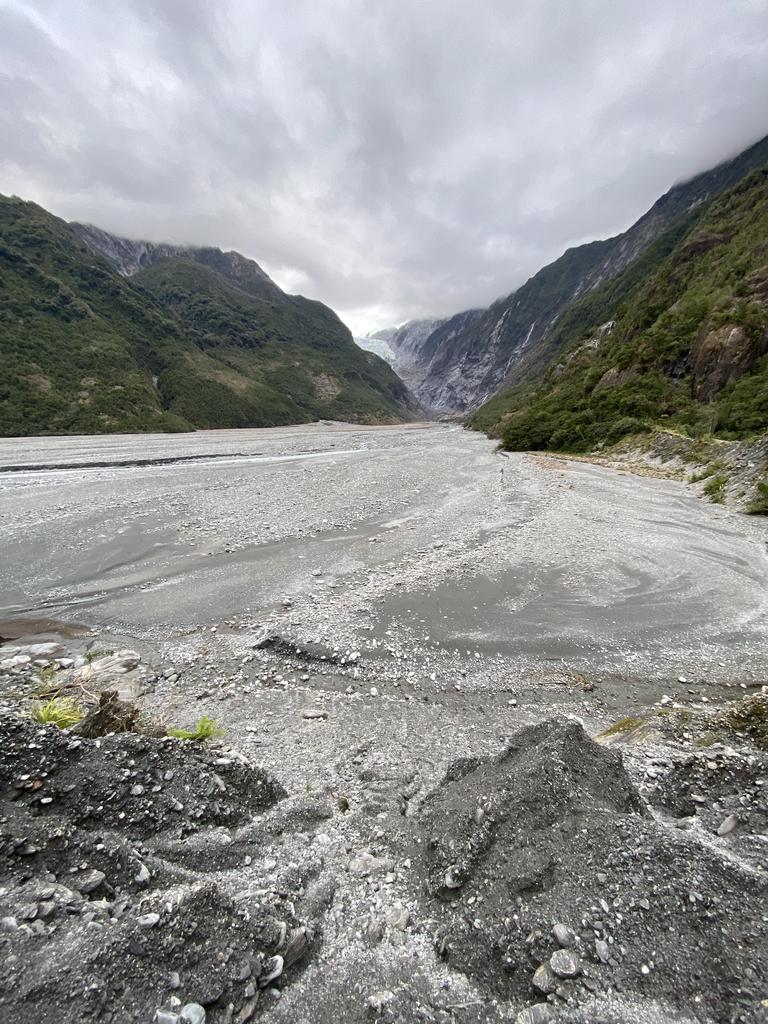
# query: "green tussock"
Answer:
x=91 y=656
x=715 y=488
x=205 y=728
x=749 y=716
x=623 y=725
x=759 y=504
x=59 y=711
x=706 y=473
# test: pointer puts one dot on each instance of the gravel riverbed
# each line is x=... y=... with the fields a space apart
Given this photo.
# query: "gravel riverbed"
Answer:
x=360 y=609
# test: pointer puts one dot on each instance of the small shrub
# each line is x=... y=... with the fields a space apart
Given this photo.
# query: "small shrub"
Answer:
x=59 y=711
x=706 y=473
x=715 y=489
x=759 y=504
x=749 y=716
x=205 y=728
x=91 y=656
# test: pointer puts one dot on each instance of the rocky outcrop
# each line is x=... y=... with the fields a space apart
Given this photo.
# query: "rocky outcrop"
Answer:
x=721 y=355
x=129 y=256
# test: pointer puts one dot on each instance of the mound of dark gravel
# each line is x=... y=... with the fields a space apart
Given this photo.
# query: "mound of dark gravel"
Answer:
x=552 y=832
x=94 y=924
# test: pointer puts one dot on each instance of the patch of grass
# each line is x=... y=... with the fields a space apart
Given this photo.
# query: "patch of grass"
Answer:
x=205 y=728
x=706 y=739
x=623 y=725
x=91 y=656
x=715 y=489
x=59 y=711
x=759 y=504
x=749 y=716
x=706 y=473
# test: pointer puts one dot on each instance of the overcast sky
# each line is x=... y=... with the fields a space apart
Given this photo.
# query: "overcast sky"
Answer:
x=396 y=158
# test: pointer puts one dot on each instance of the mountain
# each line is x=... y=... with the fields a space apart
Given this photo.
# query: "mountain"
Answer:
x=129 y=256
x=102 y=334
x=471 y=355
x=679 y=338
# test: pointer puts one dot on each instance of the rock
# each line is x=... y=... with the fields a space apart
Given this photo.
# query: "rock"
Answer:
x=166 y=1017
x=272 y=969
x=143 y=875
x=728 y=825
x=380 y=1000
x=314 y=713
x=366 y=864
x=373 y=931
x=296 y=948
x=174 y=981
x=88 y=882
x=602 y=951
x=398 y=918
x=192 y=1013
x=148 y=920
x=247 y=1011
x=241 y=971
x=539 y=1013
x=544 y=980
x=565 y=937
x=565 y=964
x=111 y=664
x=451 y=879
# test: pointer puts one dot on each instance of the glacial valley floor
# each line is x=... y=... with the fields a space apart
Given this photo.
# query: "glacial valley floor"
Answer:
x=360 y=607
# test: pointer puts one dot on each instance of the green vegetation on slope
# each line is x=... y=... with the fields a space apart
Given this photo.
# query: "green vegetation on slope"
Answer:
x=283 y=361
x=679 y=338
x=178 y=346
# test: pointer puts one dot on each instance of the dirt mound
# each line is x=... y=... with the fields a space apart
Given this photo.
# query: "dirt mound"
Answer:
x=139 y=784
x=532 y=796
x=98 y=920
x=552 y=832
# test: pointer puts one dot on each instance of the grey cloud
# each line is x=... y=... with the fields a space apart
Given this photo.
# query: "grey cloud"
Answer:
x=393 y=160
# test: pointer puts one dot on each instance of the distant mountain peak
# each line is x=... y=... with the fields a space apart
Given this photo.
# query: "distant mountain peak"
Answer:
x=128 y=256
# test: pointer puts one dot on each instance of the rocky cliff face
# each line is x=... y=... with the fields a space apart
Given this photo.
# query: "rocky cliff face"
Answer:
x=468 y=357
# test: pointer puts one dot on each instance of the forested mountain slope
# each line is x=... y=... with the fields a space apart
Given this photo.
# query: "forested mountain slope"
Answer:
x=193 y=338
x=470 y=356
x=679 y=338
